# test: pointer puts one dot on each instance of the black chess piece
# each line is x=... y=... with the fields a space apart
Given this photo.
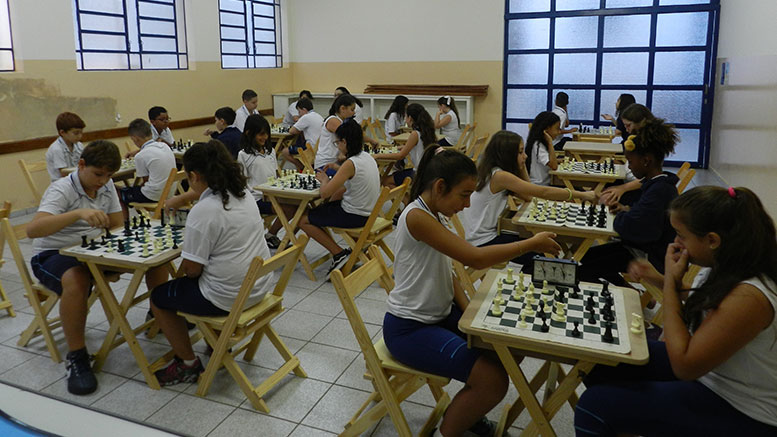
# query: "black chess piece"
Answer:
x=576 y=292
x=127 y=230
x=576 y=331
x=607 y=337
x=590 y=302
x=544 y=327
x=102 y=241
x=84 y=243
x=607 y=315
x=592 y=318
x=108 y=233
x=175 y=244
x=134 y=222
x=121 y=245
x=92 y=245
x=137 y=236
x=541 y=312
x=164 y=214
x=605 y=288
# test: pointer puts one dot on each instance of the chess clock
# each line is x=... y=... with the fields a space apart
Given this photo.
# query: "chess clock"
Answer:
x=556 y=271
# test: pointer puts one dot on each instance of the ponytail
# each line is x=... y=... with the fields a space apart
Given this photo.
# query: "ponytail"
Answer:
x=449 y=102
x=214 y=163
x=438 y=163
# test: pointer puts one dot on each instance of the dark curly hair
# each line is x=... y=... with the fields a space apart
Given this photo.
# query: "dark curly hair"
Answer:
x=213 y=162
x=655 y=138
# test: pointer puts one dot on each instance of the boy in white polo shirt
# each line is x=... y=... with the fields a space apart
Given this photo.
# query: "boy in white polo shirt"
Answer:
x=292 y=114
x=82 y=203
x=160 y=125
x=250 y=102
x=65 y=151
x=152 y=163
x=309 y=125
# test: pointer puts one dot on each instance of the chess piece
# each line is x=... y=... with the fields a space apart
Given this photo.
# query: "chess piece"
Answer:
x=544 y=327
x=127 y=231
x=509 y=279
x=84 y=243
x=607 y=337
x=592 y=318
x=590 y=302
x=175 y=245
x=498 y=299
x=576 y=331
x=134 y=222
x=102 y=240
x=605 y=288
x=496 y=310
x=108 y=233
x=575 y=292
x=92 y=245
x=637 y=325
x=121 y=245
x=523 y=320
x=541 y=312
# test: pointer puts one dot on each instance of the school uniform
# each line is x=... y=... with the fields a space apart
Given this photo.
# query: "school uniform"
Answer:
x=393 y=124
x=327 y=149
x=258 y=168
x=240 y=117
x=420 y=326
x=59 y=156
x=361 y=193
x=225 y=242
x=310 y=125
x=231 y=138
x=358 y=114
x=558 y=142
x=416 y=153
x=450 y=131
x=291 y=112
x=621 y=127
x=165 y=136
x=65 y=195
x=154 y=161
x=539 y=172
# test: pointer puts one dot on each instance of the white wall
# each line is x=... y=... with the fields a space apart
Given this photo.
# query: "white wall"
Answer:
x=396 y=30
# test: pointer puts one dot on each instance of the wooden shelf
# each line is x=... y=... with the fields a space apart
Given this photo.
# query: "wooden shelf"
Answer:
x=432 y=90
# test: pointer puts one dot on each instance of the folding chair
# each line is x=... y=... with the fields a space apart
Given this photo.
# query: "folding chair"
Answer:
x=464 y=134
x=5 y=303
x=224 y=334
x=654 y=292
x=308 y=157
x=379 y=224
x=467 y=275
x=174 y=180
x=686 y=174
x=377 y=132
x=392 y=381
x=28 y=168
x=283 y=143
x=476 y=147
x=466 y=139
x=274 y=120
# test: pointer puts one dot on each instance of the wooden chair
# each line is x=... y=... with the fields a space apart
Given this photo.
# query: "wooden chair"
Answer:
x=467 y=276
x=365 y=124
x=283 y=143
x=467 y=138
x=274 y=120
x=656 y=293
x=28 y=168
x=464 y=134
x=477 y=147
x=224 y=333
x=686 y=174
x=377 y=132
x=173 y=183
x=5 y=303
x=308 y=157
x=379 y=224
x=392 y=381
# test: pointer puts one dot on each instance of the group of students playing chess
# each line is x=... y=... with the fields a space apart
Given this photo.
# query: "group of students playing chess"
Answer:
x=714 y=372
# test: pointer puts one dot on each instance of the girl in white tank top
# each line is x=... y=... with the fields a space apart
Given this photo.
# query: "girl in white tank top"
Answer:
x=422 y=136
x=447 y=120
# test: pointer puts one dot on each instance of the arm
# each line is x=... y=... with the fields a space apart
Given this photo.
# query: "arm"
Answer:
x=294 y=131
x=44 y=223
x=613 y=194
x=440 y=122
x=642 y=223
x=503 y=180
x=739 y=318
x=412 y=140
x=552 y=163
x=180 y=200
x=329 y=187
x=190 y=268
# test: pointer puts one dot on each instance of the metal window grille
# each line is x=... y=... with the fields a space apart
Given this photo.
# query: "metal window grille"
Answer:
x=6 y=41
x=250 y=33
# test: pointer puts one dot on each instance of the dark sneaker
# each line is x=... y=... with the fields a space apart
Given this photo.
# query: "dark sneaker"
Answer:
x=80 y=380
x=178 y=372
x=273 y=242
x=483 y=428
x=339 y=260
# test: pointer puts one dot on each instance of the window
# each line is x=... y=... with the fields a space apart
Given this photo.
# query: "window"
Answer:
x=130 y=34
x=6 y=43
x=661 y=51
x=250 y=33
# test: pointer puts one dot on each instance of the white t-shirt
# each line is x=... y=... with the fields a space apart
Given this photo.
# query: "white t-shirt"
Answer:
x=363 y=189
x=240 y=117
x=155 y=160
x=67 y=194
x=60 y=156
x=310 y=125
x=327 y=150
x=481 y=218
x=451 y=131
x=748 y=379
x=225 y=241
x=562 y=114
x=165 y=136
x=417 y=152
x=539 y=173
x=358 y=114
x=291 y=112
x=423 y=289
x=257 y=168
x=393 y=124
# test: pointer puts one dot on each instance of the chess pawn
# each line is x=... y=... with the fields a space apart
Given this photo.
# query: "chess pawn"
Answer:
x=496 y=310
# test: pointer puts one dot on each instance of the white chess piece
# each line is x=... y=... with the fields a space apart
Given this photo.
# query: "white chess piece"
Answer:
x=496 y=310
x=637 y=324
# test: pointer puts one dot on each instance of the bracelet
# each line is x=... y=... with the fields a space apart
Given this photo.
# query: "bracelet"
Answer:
x=570 y=194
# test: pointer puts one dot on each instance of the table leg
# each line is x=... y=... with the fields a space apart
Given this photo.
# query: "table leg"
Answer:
x=565 y=391
x=583 y=248
x=290 y=227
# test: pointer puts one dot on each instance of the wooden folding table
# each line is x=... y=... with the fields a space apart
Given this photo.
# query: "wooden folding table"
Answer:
x=586 y=151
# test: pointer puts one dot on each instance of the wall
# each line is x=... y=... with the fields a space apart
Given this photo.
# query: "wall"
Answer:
x=744 y=126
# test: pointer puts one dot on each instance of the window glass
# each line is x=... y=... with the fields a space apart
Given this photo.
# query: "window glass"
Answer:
x=576 y=32
x=526 y=103
x=687 y=149
x=679 y=68
x=581 y=104
x=624 y=68
x=574 y=69
x=529 y=6
x=627 y=31
x=684 y=29
x=250 y=34
x=529 y=34
x=678 y=106
x=527 y=69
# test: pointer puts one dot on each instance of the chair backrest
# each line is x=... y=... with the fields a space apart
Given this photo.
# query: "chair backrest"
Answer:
x=173 y=183
x=395 y=196
x=683 y=168
x=376 y=131
x=28 y=168
x=308 y=156
x=477 y=147
x=274 y=120
x=464 y=133
x=458 y=226
x=5 y=212
x=685 y=180
x=365 y=124
x=467 y=138
x=16 y=251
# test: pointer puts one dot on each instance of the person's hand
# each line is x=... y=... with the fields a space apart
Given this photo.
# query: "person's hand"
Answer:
x=574 y=129
x=322 y=176
x=607 y=117
x=208 y=132
x=131 y=153
x=174 y=203
x=618 y=207
x=548 y=139
x=332 y=165
x=675 y=263
x=95 y=218
x=641 y=269
x=589 y=196
x=544 y=242
x=611 y=196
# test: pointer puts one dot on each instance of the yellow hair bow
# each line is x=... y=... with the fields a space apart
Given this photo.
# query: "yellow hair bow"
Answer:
x=629 y=143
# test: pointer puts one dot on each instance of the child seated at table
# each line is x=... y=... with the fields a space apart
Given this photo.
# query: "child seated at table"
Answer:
x=160 y=125
x=420 y=137
x=84 y=203
x=66 y=150
x=448 y=121
x=217 y=250
x=541 y=158
x=308 y=126
x=225 y=132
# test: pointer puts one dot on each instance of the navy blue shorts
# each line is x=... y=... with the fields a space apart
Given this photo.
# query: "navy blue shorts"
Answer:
x=439 y=349
x=265 y=207
x=329 y=172
x=133 y=195
x=444 y=143
x=183 y=294
x=49 y=266
x=333 y=214
x=400 y=176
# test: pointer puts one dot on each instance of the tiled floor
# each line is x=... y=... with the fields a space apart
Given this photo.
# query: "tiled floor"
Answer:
x=313 y=327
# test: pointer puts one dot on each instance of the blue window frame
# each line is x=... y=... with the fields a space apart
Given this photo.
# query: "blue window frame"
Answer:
x=250 y=33
x=661 y=52
x=130 y=34
x=6 y=41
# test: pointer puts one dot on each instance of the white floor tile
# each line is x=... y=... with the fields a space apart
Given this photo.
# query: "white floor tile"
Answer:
x=335 y=409
x=325 y=363
x=244 y=423
x=299 y=324
x=191 y=415
x=134 y=399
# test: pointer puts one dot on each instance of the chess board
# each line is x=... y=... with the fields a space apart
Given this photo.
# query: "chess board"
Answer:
x=519 y=314
x=567 y=214
x=279 y=129
x=588 y=167
x=294 y=182
x=381 y=149
x=142 y=243
x=181 y=147
x=127 y=163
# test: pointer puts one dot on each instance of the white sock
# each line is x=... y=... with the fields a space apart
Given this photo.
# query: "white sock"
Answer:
x=190 y=363
x=437 y=433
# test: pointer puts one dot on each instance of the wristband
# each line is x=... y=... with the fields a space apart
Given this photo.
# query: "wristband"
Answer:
x=570 y=194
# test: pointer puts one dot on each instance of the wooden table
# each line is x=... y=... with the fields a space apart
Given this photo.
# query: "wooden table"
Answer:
x=586 y=151
x=582 y=359
x=575 y=241
x=597 y=137
x=125 y=172
x=116 y=312
x=402 y=138
x=568 y=178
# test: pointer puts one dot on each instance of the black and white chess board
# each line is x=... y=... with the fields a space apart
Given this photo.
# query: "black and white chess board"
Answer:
x=588 y=167
x=568 y=214
x=292 y=180
x=139 y=240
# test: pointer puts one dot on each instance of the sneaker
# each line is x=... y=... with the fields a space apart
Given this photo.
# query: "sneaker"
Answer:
x=81 y=380
x=483 y=428
x=339 y=260
x=178 y=372
x=273 y=242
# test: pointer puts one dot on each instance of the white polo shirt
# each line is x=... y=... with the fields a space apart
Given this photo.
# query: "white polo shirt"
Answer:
x=451 y=131
x=291 y=112
x=564 y=117
x=539 y=172
x=67 y=194
x=310 y=124
x=393 y=123
x=155 y=160
x=60 y=156
x=257 y=168
x=166 y=135
x=240 y=117
x=225 y=241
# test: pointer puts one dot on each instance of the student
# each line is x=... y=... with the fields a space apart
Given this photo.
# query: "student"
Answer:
x=358 y=113
x=308 y=126
x=327 y=153
x=447 y=120
x=540 y=155
x=66 y=150
x=152 y=164
x=644 y=226
x=562 y=101
x=223 y=235
x=420 y=137
x=225 y=131
x=292 y=113
x=715 y=373
x=395 y=117
x=502 y=170
x=357 y=183
x=160 y=125
x=83 y=203
x=623 y=102
x=250 y=102
x=420 y=327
